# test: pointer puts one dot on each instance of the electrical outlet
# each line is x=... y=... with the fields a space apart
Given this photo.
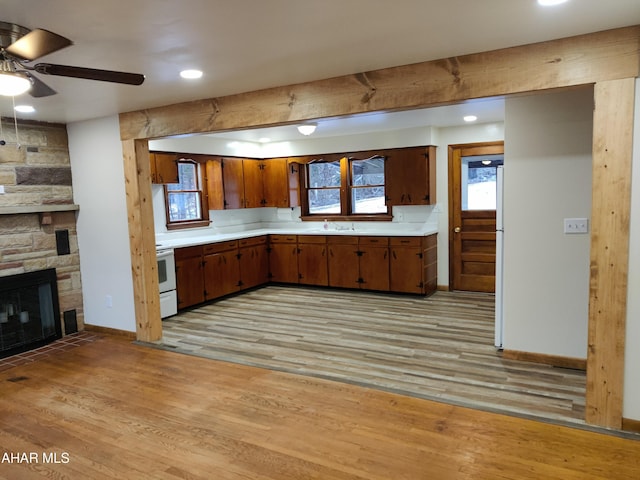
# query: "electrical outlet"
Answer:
x=576 y=225
x=108 y=301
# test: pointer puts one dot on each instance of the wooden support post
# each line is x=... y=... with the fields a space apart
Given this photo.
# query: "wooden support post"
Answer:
x=142 y=240
x=610 y=218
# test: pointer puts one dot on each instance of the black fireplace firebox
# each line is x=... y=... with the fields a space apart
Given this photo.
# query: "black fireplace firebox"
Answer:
x=29 y=311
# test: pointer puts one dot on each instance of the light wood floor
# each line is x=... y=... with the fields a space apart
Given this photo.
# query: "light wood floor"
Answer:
x=115 y=410
x=439 y=347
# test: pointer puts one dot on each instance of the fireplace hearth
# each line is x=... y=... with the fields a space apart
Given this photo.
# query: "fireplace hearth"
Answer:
x=29 y=311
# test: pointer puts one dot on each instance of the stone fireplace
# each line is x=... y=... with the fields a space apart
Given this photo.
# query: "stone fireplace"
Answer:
x=38 y=220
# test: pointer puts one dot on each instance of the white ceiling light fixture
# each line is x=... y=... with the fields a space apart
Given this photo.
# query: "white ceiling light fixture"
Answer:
x=24 y=109
x=191 y=74
x=12 y=83
x=470 y=118
x=307 y=128
x=551 y=3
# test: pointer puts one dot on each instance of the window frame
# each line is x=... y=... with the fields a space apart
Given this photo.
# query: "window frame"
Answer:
x=201 y=179
x=346 y=188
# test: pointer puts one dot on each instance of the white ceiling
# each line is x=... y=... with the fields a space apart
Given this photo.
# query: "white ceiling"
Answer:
x=246 y=45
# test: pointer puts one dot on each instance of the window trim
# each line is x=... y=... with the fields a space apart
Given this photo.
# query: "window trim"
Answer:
x=204 y=207
x=345 y=188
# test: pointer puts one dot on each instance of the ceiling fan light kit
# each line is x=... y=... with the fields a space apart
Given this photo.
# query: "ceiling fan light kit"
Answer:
x=12 y=83
x=19 y=46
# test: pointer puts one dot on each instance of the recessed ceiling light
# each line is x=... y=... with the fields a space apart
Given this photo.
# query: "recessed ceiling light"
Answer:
x=470 y=118
x=191 y=74
x=550 y=3
x=24 y=109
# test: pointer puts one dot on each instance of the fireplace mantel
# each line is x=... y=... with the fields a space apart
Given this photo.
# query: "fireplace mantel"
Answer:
x=20 y=209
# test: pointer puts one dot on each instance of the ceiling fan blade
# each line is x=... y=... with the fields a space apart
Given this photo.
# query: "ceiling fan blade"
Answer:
x=90 y=73
x=39 y=88
x=37 y=43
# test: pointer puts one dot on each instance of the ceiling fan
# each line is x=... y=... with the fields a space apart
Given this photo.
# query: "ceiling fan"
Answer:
x=19 y=46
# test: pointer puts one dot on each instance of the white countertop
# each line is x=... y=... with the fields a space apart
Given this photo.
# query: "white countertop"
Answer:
x=182 y=239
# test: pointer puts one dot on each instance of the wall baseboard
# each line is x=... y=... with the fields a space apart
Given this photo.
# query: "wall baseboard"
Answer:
x=442 y=288
x=111 y=331
x=630 y=425
x=554 y=360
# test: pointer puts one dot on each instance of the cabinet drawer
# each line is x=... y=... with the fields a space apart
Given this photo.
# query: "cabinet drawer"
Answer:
x=283 y=238
x=405 y=241
x=188 y=252
x=312 y=239
x=250 y=242
x=376 y=241
x=220 y=247
x=342 y=240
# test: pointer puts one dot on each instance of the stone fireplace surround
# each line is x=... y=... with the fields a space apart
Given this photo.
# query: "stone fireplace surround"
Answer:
x=36 y=208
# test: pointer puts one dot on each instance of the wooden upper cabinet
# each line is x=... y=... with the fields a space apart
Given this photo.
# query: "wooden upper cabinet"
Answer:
x=233 y=182
x=410 y=176
x=253 y=183
x=164 y=167
x=275 y=183
x=215 y=184
x=268 y=183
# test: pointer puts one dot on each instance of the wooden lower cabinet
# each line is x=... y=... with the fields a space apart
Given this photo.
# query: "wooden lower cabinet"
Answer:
x=221 y=269
x=283 y=258
x=373 y=263
x=413 y=264
x=378 y=263
x=343 y=261
x=312 y=260
x=254 y=261
x=189 y=277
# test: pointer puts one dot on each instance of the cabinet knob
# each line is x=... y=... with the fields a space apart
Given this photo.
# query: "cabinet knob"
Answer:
x=457 y=229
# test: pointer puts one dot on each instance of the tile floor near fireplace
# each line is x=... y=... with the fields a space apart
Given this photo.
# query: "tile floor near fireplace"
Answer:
x=65 y=343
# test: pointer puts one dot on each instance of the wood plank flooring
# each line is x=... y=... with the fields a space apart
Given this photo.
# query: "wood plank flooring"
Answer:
x=111 y=409
x=439 y=347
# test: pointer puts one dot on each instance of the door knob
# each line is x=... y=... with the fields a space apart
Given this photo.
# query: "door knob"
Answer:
x=457 y=229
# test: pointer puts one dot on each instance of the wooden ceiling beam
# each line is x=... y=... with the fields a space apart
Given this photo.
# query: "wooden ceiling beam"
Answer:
x=567 y=62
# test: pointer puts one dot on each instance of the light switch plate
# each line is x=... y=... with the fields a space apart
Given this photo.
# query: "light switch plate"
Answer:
x=576 y=225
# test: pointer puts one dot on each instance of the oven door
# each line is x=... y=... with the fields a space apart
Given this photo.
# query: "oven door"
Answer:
x=166 y=270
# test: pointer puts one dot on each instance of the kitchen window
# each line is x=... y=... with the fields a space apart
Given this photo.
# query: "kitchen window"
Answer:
x=346 y=188
x=186 y=205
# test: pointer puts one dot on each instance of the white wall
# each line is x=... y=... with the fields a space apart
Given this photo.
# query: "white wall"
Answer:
x=103 y=233
x=547 y=175
x=443 y=137
x=632 y=350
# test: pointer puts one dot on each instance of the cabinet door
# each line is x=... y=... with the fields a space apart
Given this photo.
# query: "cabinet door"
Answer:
x=164 y=167
x=430 y=264
x=283 y=262
x=374 y=268
x=189 y=281
x=275 y=177
x=406 y=269
x=233 y=183
x=215 y=184
x=254 y=266
x=253 y=183
x=221 y=273
x=343 y=266
x=410 y=176
x=312 y=264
